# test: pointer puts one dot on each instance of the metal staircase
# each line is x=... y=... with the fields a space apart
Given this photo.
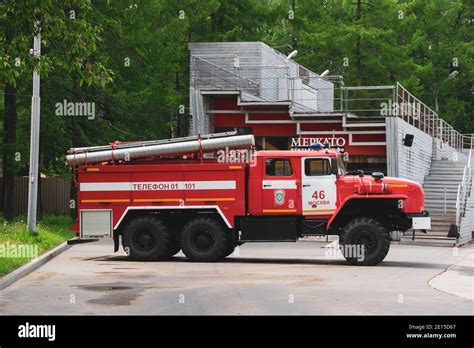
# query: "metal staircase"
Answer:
x=441 y=194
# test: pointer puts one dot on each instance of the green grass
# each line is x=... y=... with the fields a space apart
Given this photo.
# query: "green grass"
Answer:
x=52 y=230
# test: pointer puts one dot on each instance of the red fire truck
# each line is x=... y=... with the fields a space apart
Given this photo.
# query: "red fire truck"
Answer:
x=205 y=195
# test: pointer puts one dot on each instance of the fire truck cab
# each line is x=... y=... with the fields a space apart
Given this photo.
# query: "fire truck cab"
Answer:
x=208 y=205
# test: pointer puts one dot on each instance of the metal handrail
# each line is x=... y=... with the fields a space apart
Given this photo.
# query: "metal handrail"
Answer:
x=464 y=190
x=235 y=77
x=276 y=83
x=429 y=121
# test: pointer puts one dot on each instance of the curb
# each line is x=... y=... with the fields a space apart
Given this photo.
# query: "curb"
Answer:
x=24 y=270
x=440 y=283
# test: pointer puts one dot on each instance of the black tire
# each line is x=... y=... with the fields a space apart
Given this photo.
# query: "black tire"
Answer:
x=231 y=244
x=204 y=239
x=146 y=238
x=229 y=251
x=369 y=234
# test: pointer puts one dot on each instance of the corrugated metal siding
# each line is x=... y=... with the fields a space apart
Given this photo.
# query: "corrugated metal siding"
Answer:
x=325 y=89
x=325 y=95
x=273 y=85
x=413 y=162
x=222 y=54
x=267 y=67
x=392 y=146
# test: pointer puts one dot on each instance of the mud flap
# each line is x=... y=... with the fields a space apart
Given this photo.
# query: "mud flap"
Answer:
x=116 y=238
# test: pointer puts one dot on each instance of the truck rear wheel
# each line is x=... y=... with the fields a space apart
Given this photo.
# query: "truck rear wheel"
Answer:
x=146 y=238
x=364 y=242
x=204 y=239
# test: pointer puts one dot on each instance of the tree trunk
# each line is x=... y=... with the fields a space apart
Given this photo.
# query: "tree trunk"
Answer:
x=8 y=160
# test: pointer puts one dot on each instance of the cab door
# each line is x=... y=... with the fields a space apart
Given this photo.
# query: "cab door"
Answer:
x=279 y=187
x=318 y=183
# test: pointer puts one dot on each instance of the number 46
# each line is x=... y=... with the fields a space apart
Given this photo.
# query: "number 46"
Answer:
x=319 y=195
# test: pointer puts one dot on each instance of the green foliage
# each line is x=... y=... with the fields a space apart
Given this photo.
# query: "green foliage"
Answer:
x=131 y=58
x=52 y=231
x=418 y=43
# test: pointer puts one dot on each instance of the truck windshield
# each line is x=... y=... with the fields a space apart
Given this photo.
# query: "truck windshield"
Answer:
x=341 y=167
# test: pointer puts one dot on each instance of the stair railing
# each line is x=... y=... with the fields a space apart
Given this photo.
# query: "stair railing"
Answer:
x=464 y=189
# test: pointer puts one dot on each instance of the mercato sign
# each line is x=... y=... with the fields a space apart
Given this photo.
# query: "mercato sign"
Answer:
x=333 y=142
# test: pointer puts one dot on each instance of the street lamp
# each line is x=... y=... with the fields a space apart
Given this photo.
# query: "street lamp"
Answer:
x=34 y=139
x=292 y=55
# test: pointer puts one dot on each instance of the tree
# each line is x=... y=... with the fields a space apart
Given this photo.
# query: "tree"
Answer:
x=64 y=22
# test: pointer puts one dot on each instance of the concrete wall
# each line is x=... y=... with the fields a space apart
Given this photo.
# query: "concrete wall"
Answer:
x=411 y=163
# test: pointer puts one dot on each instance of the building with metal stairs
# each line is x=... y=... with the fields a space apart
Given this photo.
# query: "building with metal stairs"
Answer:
x=251 y=88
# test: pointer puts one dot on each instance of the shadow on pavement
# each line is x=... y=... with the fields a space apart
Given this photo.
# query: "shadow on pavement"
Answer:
x=286 y=261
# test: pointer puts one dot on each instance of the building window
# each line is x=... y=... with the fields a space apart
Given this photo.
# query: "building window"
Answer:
x=368 y=164
x=278 y=167
x=316 y=167
x=303 y=73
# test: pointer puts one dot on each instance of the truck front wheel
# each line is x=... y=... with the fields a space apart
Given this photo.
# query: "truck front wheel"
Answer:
x=146 y=238
x=204 y=239
x=364 y=242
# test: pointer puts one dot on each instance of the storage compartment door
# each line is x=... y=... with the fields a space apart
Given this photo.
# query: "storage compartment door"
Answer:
x=96 y=223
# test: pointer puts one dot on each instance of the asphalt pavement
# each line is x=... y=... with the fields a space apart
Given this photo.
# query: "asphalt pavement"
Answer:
x=307 y=277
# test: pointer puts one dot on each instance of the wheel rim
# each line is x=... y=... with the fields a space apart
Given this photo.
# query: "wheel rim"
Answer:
x=203 y=240
x=366 y=239
x=144 y=240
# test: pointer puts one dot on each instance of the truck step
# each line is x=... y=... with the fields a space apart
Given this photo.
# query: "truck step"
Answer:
x=430 y=241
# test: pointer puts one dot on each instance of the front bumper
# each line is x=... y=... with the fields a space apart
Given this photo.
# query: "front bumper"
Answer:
x=420 y=221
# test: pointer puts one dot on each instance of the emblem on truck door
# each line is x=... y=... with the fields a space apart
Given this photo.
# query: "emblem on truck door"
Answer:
x=279 y=197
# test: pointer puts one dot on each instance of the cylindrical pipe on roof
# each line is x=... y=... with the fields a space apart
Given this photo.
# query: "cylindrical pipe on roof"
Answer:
x=207 y=145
